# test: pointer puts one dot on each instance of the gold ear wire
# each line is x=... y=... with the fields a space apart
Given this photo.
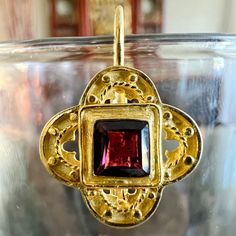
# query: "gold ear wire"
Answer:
x=119 y=37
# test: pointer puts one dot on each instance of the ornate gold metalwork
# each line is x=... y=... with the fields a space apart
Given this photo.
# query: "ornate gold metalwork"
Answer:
x=122 y=93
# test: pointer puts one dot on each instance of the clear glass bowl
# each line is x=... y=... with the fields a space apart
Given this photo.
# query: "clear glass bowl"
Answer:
x=196 y=73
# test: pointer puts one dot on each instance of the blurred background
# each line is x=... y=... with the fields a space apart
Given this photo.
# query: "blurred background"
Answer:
x=40 y=78
x=27 y=19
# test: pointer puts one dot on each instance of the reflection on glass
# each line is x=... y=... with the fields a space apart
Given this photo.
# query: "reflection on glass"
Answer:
x=42 y=78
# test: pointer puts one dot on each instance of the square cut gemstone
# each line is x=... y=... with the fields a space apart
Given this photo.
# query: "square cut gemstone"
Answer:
x=121 y=148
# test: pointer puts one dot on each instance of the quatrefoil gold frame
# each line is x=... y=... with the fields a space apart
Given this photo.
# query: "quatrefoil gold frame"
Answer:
x=120 y=92
x=120 y=85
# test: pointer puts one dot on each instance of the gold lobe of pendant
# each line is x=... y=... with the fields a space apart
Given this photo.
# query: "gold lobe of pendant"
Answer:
x=121 y=182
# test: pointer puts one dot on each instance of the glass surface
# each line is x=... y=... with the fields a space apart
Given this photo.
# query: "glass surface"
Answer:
x=196 y=73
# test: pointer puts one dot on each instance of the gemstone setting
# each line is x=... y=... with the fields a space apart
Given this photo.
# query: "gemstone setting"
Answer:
x=121 y=148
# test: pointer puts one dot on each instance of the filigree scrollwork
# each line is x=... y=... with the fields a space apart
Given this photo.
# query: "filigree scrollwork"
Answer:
x=122 y=205
x=180 y=127
x=59 y=162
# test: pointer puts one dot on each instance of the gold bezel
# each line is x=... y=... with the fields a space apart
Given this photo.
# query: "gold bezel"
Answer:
x=150 y=113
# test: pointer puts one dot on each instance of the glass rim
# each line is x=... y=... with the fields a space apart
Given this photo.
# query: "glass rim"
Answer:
x=170 y=37
x=209 y=40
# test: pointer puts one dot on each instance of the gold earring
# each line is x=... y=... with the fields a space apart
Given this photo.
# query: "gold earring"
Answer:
x=121 y=172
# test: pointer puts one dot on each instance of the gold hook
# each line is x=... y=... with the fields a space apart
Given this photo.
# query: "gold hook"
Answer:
x=119 y=37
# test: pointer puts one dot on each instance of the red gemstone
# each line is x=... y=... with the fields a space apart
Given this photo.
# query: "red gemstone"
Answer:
x=121 y=148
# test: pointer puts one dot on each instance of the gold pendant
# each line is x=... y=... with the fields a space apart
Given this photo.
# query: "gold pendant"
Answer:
x=121 y=171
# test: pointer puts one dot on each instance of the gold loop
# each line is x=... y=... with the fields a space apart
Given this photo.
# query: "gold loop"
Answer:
x=119 y=37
